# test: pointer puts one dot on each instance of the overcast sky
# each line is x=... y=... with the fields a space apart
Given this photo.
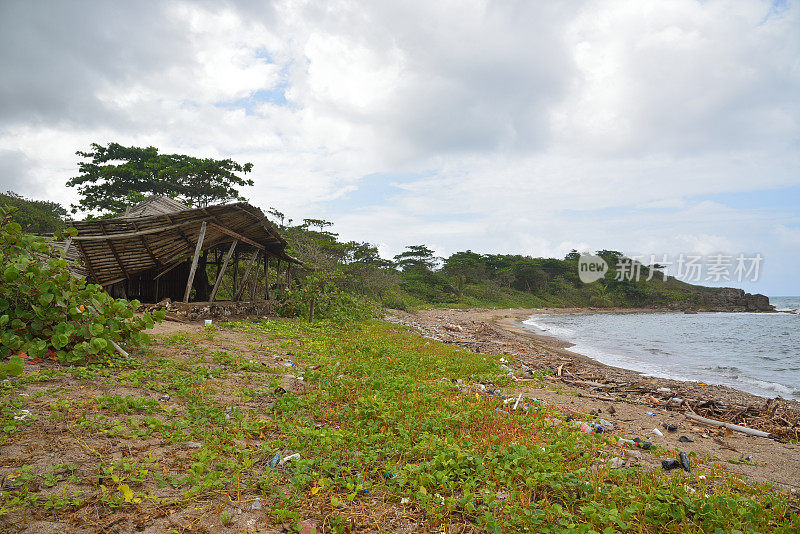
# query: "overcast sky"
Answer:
x=524 y=127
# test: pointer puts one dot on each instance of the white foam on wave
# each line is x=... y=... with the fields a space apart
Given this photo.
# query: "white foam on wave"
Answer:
x=557 y=331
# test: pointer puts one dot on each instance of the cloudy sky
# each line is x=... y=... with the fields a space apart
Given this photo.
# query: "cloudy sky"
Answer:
x=526 y=127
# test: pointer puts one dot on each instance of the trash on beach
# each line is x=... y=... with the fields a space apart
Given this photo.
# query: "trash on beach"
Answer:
x=684 y=462
x=164 y=398
x=23 y=414
x=208 y=322
x=652 y=414
x=657 y=432
x=193 y=444
x=670 y=464
x=664 y=390
x=642 y=444
x=671 y=427
x=518 y=401
x=616 y=462
x=256 y=504
x=685 y=439
x=275 y=460
x=289 y=458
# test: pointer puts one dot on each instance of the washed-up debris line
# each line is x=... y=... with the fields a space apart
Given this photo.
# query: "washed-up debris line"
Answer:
x=779 y=418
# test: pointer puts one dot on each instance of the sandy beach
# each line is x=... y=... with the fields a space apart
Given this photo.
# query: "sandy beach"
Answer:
x=577 y=384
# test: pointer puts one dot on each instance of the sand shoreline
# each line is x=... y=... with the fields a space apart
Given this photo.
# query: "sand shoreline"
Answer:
x=637 y=403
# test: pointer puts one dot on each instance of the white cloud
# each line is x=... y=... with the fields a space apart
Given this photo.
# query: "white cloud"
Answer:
x=534 y=127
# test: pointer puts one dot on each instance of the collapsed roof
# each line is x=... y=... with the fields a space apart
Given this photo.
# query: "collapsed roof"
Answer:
x=161 y=233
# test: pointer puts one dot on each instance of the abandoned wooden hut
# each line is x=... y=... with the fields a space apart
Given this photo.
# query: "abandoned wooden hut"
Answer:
x=162 y=249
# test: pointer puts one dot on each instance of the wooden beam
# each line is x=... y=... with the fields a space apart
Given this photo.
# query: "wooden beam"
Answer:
x=240 y=237
x=246 y=276
x=126 y=235
x=114 y=252
x=87 y=262
x=222 y=272
x=156 y=261
x=168 y=269
x=197 y=250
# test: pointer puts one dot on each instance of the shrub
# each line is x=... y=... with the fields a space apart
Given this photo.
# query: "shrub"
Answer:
x=45 y=309
x=329 y=300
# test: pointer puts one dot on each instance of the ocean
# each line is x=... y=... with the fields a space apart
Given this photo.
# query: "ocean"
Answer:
x=754 y=352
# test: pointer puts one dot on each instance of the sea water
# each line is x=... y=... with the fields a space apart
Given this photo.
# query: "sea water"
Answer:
x=754 y=352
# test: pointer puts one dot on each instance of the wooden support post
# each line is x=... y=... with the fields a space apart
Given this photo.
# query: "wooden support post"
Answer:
x=266 y=277
x=197 y=250
x=235 y=275
x=255 y=280
x=246 y=276
x=278 y=279
x=222 y=272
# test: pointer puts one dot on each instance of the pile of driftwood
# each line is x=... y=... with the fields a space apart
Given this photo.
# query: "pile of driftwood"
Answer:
x=774 y=418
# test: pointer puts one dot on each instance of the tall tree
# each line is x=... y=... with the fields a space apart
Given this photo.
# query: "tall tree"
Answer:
x=416 y=258
x=113 y=176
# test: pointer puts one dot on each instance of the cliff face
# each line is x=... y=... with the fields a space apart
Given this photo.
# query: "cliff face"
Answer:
x=730 y=299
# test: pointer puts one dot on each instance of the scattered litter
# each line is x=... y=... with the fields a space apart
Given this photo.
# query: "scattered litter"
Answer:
x=671 y=427
x=164 y=398
x=670 y=464
x=256 y=504
x=23 y=414
x=193 y=444
x=404 y=500
x=275 y=460
x=685 y=462
x=676 y=400
x=664 y=390
x=652 y=413
x=291 y=457
x=616 y=462
x=635 y=442
x=288 y=364
x=685 y=439
x=315 y=367
x=208 y=322
x=657 y=432
x=518 y=401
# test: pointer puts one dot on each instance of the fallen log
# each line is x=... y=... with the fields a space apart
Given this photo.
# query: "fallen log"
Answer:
x=731 y=426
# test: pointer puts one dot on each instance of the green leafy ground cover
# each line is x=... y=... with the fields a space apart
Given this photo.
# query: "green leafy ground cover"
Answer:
x=384 y=444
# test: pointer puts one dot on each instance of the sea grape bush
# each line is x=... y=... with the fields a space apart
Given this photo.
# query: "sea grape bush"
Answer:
x=46 y=310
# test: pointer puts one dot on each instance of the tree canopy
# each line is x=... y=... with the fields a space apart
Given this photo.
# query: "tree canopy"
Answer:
x=416 y=257
x=35 y=216
x=113 y=177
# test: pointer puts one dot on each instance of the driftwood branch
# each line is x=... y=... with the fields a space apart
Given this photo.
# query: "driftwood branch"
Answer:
x=731 y=426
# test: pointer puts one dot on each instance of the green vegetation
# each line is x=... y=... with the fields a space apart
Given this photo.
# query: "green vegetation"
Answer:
x=468 y=279
x=384 y=444
x=46 y=310
x=35 y=216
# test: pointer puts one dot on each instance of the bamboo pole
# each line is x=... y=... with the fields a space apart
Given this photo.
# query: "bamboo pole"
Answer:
x=222 y=272
x=197 y=250
x=246 y=276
